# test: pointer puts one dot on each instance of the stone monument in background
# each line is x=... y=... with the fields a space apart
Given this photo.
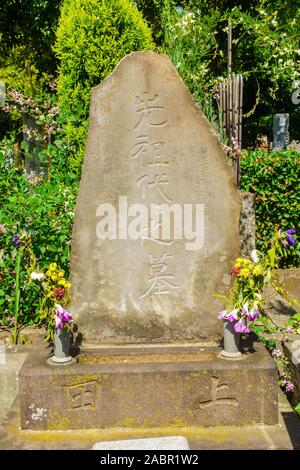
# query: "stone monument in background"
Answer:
x=280 y=131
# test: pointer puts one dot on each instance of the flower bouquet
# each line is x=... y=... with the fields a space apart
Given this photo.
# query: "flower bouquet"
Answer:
x=243 y=306
x=244 y=302
x=55 y=298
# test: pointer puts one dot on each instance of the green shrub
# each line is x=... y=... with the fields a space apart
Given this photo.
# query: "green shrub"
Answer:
x=274 y=178
x=93 y=35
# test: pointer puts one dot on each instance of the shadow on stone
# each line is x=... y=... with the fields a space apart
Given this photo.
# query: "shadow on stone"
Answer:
x=292 y=424
x=76 y=341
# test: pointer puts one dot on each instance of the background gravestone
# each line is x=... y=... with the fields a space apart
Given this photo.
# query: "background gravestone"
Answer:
x=149 y=141
x=280 y=130
x=35 y=144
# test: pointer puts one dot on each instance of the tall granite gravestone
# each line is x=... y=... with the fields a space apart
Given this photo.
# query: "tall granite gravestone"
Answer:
x=143 y=278
x=151 y=154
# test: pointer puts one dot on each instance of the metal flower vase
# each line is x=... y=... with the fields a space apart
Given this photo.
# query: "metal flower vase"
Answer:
x=231 y=341
x=62 y=346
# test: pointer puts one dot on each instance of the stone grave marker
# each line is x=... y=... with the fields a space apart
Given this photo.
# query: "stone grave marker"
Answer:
x=156 y=232
x=157 y=217
x=280 y=131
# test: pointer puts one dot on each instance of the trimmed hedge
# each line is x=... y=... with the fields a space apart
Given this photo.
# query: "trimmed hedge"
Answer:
x=92 y=37
x=274 y=178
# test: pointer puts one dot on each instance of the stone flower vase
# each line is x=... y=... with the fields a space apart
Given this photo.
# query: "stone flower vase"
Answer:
x=62 y=346
x=231 y=340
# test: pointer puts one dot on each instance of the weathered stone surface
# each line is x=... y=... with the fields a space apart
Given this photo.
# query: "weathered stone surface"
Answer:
x=285 y=435
x=277 y=308
x=151 y=443
x=148 y=386
x=291 y=349
x=291 y=281
x=149 y=142
x=247 y=224
x=11 y=360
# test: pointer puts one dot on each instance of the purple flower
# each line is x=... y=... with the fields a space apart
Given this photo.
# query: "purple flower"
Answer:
x=288 y=385
x=291 y=240
x=66 y=316
x=62 y=316
x=222 y=315
x=230 y=316
x=241 y=327
x=233 y=315
x=16 y=240
x=58 y=323
x=253 y=314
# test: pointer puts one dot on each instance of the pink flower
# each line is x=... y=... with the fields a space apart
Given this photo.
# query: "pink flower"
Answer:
x=245 y=310
x=253 y=314
x=54 y=111
x=233 y=315
x=289 y=329
x=222 y=315
x=241 y=327
x=58 y=323
x=288 y=385
x=230 y=316
x=62 y=316
x=66 y=316
x=276 y=353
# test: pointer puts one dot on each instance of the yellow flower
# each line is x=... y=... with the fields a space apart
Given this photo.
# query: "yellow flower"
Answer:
x=61 y=274
x=52 y=267
x=244 y=272
x=257 y=271
x=67 y=285
x=48 y=273
x=244 y=264
x=54 y=277
x=62 y=282
x=239 y=262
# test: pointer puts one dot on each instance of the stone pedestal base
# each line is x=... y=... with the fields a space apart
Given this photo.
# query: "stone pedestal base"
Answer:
x=150 y=385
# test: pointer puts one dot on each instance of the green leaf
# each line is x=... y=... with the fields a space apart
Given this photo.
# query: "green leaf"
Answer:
x=272 y=257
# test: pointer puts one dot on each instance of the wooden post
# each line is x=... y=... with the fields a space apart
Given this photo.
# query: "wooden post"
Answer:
x=239 y=127
x=231 y=103
x=240 y=111
x=229 y=48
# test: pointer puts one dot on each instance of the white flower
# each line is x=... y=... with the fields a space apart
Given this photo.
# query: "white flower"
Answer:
x=246 y=308
x=254 y=256
x=37 y=276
